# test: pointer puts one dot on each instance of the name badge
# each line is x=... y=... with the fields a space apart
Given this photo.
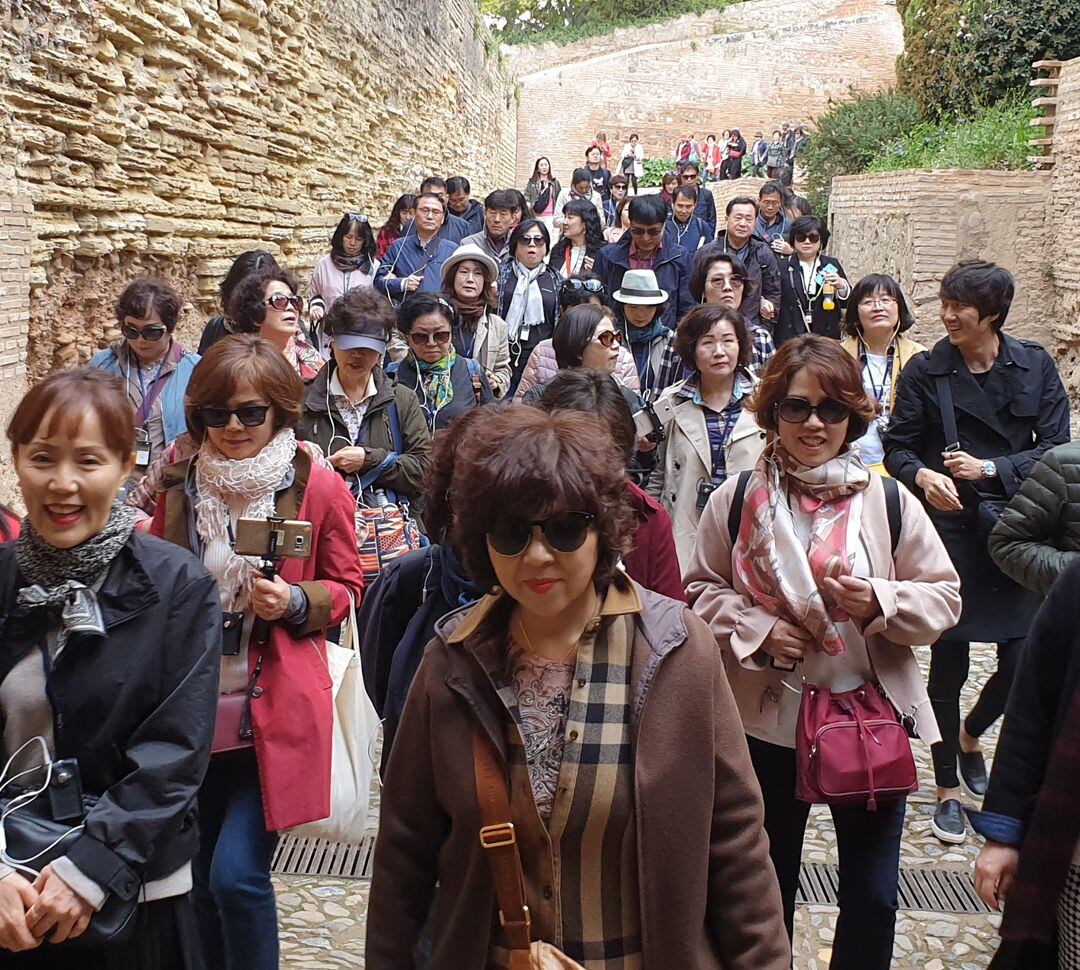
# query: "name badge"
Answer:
x=142 y=449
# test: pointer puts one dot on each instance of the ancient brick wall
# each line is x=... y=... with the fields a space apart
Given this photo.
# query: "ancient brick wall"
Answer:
x=752 y=66
x=1063 y=217
x=15 y=240
x=915 y=225
x=167 y=136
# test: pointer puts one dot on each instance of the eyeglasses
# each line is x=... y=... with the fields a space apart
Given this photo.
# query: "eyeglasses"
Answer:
x=807 y=237
x=723 y=282
x=356 y=216
x=250 y=416
x=877 y=301
x=563 y=531
x=430 y=339
x=653 y=232
x=533 y=240
x=797 y=410
x=590 y=286
x=147 y=333
x=428 y=211
x=609 y=338
x=279 y=301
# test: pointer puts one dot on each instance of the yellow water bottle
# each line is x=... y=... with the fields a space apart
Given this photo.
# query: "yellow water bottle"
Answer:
x=827 y=301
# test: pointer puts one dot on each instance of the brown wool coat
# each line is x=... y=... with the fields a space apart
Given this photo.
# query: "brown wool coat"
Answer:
x=709 y=897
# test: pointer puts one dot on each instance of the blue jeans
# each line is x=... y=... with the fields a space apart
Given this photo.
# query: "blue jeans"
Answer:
x=869 y=847
x=234 y=899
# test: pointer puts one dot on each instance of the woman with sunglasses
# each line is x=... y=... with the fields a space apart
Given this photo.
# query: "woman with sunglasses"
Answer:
x=445 y=382
x=565 y=684
x=267 y=303
x=816 y=582
x=586 y=338
x=876 y=318
x=814 y=288
x=710 y=435
x=350 y=264
x=528 y=294
x=242 y=405
x=244 y=265
x=153 y=365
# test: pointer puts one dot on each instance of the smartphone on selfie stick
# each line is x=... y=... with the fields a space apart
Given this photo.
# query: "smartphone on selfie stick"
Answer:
x=271 y=539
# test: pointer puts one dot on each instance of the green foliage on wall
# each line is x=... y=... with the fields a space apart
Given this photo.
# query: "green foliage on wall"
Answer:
x=655 y=169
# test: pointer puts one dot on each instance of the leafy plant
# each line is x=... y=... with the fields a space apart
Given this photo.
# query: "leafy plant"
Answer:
x=848 y=137
x=655 y=170
x=995 y=137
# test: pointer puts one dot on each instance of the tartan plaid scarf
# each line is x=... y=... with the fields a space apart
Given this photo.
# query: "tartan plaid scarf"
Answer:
x=1054 y=829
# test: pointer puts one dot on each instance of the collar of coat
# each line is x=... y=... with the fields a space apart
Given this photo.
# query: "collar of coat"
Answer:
x=619 y=252
x=946 y=359
x=318 y=391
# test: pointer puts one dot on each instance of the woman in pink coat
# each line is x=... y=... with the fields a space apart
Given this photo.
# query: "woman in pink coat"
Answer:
x=242 y=404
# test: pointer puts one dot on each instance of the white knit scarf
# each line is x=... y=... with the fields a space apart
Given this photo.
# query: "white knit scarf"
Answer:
x=526 y=308
x=246 y=486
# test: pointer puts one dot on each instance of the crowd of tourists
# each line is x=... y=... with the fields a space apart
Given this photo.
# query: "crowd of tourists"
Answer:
x=637 y=513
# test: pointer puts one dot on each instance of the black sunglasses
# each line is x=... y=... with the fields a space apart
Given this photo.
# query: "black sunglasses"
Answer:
x=807 y=237
x=431 y=339
x=533 y=240
x=797 y=410
x=147 y=333
x=563 y=531
x=250 y=416
x=592 y=286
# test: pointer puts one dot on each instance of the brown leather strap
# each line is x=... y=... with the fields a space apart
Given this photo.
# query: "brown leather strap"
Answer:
x=499 y=839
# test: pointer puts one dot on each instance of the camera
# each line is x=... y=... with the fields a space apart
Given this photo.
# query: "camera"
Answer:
x=272 y=538
x=705 y=488
x=652 y=419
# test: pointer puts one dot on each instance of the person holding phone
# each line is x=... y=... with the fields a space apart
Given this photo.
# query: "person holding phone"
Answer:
x=709 y=435
x=243 y=403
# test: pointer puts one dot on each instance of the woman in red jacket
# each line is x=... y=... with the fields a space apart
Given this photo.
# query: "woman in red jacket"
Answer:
x=241 y=406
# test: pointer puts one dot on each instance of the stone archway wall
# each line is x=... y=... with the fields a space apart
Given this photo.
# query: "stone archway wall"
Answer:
x=751 y=66
x=167 y=136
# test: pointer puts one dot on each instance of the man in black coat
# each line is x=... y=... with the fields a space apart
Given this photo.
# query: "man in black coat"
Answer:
x=705 y=209
x=644 y=247
x=971 y=418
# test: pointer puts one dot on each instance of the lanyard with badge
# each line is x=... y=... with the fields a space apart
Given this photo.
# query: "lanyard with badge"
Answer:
x=142 y=416
x=817 y=276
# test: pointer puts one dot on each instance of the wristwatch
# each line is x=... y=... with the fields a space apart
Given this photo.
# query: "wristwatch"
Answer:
x=989 y=469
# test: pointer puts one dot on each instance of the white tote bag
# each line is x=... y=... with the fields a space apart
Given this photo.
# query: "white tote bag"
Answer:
x=355 y=725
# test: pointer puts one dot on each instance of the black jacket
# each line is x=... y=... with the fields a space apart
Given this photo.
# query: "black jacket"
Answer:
x=793 y=301
x=136 y=707
x=672 y=269
x=550 y=283
x=763 y=270
x=471 y=389
x=473 y=216
x=705 y=209
x=1014 y=418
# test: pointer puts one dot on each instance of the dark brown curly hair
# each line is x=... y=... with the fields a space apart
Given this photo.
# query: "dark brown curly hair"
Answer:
x=439 y=474
x=833 y=367
x=525 y=463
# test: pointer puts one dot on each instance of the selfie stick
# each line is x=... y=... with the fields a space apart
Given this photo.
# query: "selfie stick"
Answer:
x=261 y=629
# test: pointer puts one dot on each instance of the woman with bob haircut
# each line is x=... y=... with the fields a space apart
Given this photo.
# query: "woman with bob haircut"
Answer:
x=875 y=321
x=711 y=434
x=87 y=593
x=350 y=264
x=1009 y=408
x=567 y=665
x=153 y=365
x=242 y=406
x=528 y=294
x=814 y=287
x=810 y=590
x=244 y=265
x=717 y=277
x=268 y=303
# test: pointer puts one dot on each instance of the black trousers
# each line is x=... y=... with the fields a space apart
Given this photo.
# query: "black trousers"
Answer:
x=869 y=847
x=949 y=660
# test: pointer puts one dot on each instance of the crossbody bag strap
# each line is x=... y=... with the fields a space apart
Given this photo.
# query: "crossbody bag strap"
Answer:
x=499 y=840
x=948 y=412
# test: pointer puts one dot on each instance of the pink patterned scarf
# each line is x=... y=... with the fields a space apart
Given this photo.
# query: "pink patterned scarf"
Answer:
x=777 y=568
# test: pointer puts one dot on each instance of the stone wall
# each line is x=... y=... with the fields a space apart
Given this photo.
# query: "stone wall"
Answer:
x=15 y=239
x=752 y=66
x=1063 y=217
x=167 y=136
x=915 y=225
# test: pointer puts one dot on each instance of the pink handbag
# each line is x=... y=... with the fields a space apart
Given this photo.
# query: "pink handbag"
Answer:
x=851 y=748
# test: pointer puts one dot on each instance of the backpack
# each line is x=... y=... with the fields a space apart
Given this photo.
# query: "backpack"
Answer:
x=892 y=509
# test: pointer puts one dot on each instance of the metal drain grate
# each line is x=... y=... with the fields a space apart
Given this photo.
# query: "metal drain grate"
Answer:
x=296 y=856
x=932 y=890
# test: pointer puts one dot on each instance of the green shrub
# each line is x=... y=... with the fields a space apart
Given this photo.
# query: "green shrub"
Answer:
x=849 y=136
x=995 y=137
x=655 y=170
x=930 y=69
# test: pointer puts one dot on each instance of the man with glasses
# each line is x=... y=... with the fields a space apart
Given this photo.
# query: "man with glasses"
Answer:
x=644 y=247
x=414 y=262
x=453 y=228
x=500 y=209
x=705 y=209
x=461 y=204
x=739 y=239
x=772 y=221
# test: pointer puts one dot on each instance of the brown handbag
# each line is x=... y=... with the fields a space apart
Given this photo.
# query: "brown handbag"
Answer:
x=498 y=837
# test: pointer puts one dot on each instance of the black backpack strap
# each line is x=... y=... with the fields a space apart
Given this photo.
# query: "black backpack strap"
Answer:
x=892 y=511
x=735 y=512
x=948 y=412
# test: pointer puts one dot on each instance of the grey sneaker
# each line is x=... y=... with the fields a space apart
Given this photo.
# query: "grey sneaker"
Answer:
x=948 y=823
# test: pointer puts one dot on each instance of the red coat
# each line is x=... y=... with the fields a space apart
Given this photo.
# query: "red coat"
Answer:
x=292 y=707
x=653 y=561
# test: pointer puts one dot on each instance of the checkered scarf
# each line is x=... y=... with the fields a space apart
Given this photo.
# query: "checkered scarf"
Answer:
x=593 y=831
